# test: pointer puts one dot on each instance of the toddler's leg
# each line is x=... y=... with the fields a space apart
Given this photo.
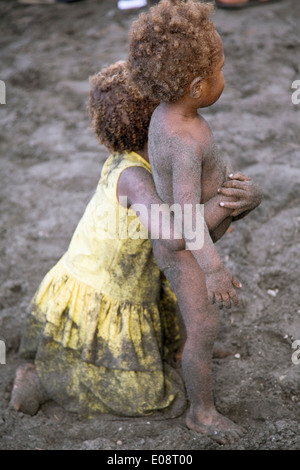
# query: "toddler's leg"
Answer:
x=219 y=352
x=201 y=324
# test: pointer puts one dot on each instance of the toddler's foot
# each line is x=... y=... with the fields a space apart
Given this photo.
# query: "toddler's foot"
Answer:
x=220 y=429
x=27 y=393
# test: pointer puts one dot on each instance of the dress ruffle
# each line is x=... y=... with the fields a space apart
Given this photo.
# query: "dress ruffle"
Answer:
x=97 y=354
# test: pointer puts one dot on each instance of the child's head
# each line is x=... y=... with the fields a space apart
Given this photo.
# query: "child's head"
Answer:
x=172 y=44
x=119 y=114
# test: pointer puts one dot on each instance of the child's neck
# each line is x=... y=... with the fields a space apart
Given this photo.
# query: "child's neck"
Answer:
x=185 y=108
x=144 y=153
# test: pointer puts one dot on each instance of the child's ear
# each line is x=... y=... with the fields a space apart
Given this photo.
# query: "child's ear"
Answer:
x=196 y=88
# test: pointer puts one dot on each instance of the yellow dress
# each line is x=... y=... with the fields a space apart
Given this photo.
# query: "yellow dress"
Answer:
x=103 y=320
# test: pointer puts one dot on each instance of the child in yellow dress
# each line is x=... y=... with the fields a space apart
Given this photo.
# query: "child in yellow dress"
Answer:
x=103 y=320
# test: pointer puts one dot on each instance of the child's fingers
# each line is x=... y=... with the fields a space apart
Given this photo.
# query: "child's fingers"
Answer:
x=219 y=300
x=233 y=205
x=236 y=283
x=234 y=298
x=238 y=184
x=227 y=300
x=239 y=176
x=232 y=192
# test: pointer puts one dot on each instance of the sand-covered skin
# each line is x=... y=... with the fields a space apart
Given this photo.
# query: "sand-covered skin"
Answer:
x=49 y=166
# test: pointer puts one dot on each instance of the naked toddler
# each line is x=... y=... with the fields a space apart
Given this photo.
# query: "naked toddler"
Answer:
x=176 y=56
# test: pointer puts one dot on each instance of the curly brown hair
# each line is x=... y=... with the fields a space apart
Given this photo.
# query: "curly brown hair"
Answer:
x=170 y=45
x=119 y=114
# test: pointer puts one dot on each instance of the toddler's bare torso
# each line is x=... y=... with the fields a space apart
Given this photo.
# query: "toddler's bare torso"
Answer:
x=170 y=141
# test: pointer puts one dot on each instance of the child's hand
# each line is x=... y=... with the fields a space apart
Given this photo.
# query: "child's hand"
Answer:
x=221 y=287
x=248 y=193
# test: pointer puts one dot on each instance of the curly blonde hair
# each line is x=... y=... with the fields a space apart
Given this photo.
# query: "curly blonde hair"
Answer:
x=119 y=114
x=170 y=45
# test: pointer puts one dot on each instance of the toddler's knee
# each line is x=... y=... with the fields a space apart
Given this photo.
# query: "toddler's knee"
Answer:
x=165 y=257
x=173 y=245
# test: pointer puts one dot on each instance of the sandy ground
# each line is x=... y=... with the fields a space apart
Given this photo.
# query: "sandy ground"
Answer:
x=51 y=162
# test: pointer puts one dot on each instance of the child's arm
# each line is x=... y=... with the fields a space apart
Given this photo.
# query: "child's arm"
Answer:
x=137 y=185
x=217 y=217
x=186 y=175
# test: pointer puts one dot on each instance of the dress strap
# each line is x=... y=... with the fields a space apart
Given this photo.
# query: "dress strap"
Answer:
x=114 y=166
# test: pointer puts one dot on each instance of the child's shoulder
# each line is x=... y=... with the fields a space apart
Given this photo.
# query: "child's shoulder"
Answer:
x=117 y=162
x=169 y=122
x=204 y=129
x=194 y=134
